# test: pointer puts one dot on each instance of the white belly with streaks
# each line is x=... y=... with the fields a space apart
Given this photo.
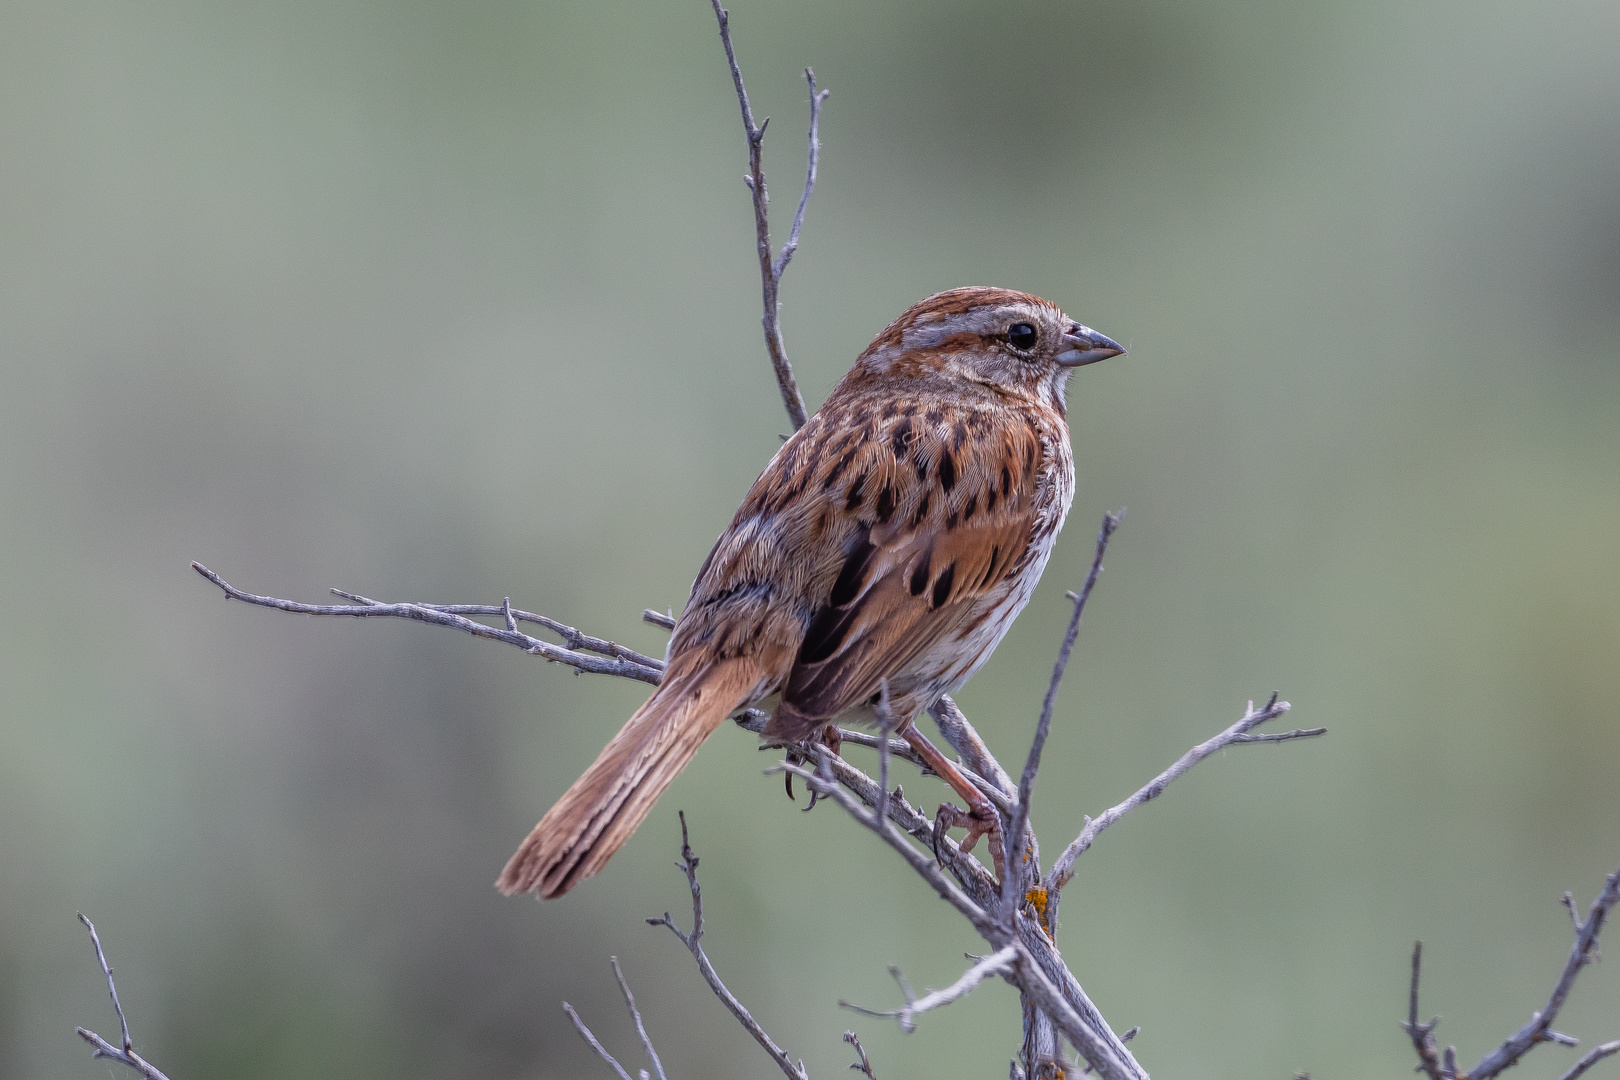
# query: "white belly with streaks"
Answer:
x=957 y=657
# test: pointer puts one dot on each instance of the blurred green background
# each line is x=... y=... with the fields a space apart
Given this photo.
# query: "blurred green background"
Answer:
x=449 y=302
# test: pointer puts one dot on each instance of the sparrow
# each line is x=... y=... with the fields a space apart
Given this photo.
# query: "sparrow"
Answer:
x=875 y=564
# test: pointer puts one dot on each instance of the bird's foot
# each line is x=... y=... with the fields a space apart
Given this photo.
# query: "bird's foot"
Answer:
x=980 y=821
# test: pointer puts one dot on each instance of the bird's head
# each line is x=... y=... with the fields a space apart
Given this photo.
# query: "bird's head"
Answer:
x=1010 y=341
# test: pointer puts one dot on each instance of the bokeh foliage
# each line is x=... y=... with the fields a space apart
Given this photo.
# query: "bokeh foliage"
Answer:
x=454 y=301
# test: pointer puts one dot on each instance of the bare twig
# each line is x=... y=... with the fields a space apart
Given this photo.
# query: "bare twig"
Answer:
x=770 y=270
x=659 y=618
x=1590 y=1058
x=1279 y=736
x=614 y=659
x=997 y=963
x=101 y=1048
x=112 y=987
x=594 y=1043
x=692 y=941
x=1422 y=1034
x=572 y=637
x=1013 y=887
x=898 y=748
x=1568 y=900
x=813 y=158
x=635 y=1014
x=1581 y=952
x=1063 y=870
x=864 y=1066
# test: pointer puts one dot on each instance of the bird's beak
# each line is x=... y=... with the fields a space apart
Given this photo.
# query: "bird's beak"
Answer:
x=1083 y=345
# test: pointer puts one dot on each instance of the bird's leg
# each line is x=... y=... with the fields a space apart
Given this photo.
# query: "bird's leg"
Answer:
x=980 y=818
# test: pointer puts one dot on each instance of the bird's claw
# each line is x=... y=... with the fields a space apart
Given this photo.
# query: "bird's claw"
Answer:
x=980 y=824
x=800 y=754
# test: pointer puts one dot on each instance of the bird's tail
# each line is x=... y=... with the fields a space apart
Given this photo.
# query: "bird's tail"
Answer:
x=599 y=812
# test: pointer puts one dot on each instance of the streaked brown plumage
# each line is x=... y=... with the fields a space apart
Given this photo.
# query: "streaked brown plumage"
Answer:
x=892 y=540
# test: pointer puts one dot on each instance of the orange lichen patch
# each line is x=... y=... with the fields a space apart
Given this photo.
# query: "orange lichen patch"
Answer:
x=1038 y=899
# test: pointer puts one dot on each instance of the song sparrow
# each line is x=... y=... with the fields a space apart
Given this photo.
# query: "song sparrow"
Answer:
x=887 y=547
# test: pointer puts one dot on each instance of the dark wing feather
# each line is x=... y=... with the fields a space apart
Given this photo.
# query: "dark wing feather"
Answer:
x=871 y=536
x=850 y=649
x=944 y=504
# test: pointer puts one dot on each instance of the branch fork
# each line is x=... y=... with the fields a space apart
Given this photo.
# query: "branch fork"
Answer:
x=999 y=962
x=693 y=942
x=124 y=1053
x=1582 y=951
x=771 y=269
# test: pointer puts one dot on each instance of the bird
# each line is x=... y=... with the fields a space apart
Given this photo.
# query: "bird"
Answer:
x=875 y=563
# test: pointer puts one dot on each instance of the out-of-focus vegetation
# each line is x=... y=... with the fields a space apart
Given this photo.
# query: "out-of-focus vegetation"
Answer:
x=456 y=301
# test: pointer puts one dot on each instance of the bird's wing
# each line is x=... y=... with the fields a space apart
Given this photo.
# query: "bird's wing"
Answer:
x=895 y=521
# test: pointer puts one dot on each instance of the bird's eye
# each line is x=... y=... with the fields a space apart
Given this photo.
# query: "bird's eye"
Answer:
x=1021 y=335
